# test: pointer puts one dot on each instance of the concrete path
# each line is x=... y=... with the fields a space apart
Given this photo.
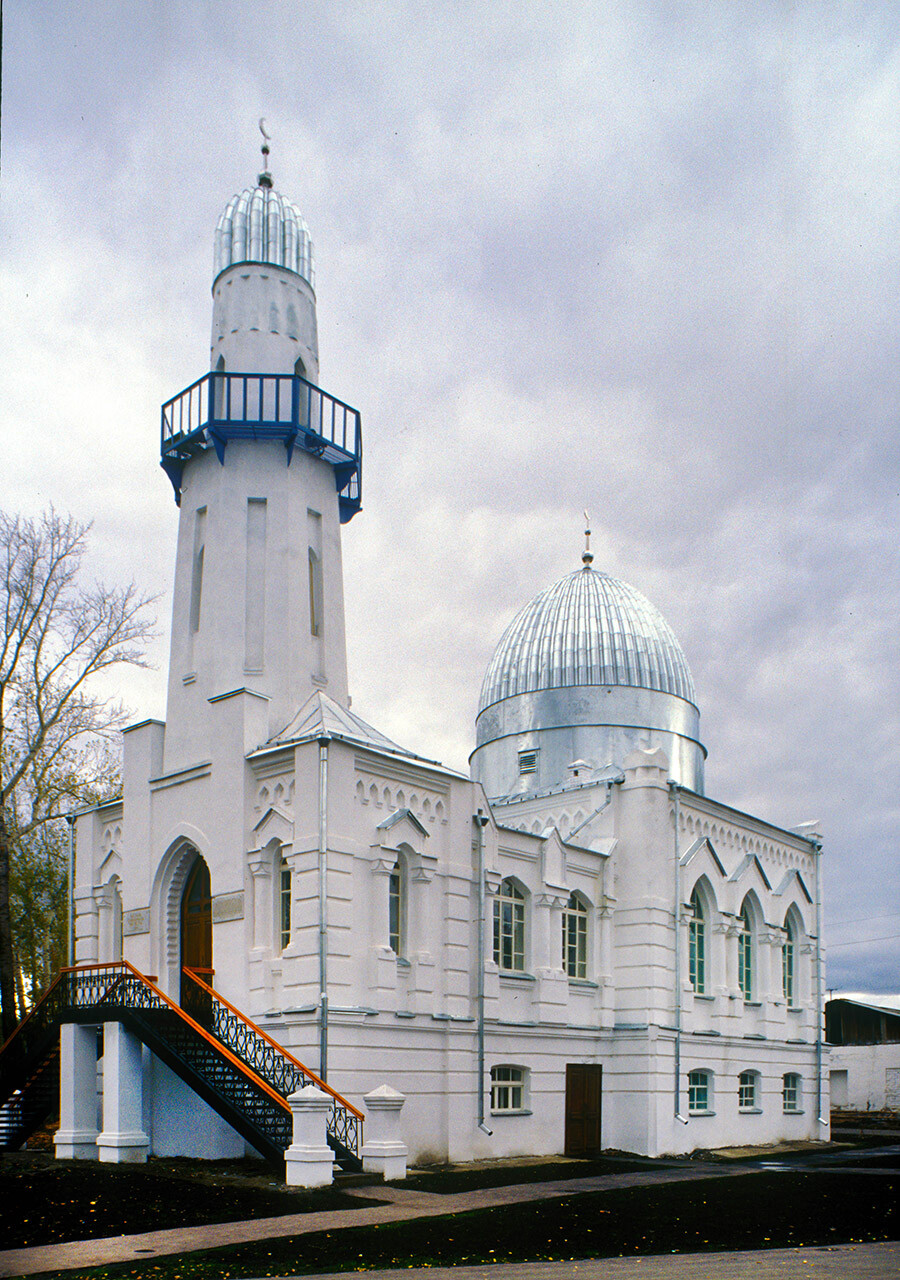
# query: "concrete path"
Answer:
x=834 y=1262
x=401 y=1205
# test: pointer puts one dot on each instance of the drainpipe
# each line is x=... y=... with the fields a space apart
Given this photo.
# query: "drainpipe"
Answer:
x=323 y=908
x=676 y=1083
x=820 y=1012
x=610 y=783
x=480 y=823
x=70 y=879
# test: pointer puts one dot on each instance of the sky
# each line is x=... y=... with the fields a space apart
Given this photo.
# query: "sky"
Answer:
x=639 y=258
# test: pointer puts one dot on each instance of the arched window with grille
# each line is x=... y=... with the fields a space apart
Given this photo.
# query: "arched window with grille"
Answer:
x=575 y=937
x=509 y=927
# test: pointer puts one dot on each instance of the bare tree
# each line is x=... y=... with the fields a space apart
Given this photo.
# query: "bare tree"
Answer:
x=56 y=634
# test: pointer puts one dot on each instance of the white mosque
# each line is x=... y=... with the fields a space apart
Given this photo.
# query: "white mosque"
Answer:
x=573 y=949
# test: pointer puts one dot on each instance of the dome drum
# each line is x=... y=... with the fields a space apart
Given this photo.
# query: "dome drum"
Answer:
x=602 y=725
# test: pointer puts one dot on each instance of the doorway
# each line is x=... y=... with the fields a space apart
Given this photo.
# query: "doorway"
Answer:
x=196 y=925
x=584 y=1092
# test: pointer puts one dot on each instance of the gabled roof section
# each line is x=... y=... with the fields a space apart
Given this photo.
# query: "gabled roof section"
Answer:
x=750 y=860
x=702 y=843
x=788 y=880
x=322 y=717
x=397 y=816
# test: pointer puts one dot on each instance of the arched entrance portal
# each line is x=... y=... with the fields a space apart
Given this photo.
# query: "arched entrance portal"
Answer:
x=196 y=924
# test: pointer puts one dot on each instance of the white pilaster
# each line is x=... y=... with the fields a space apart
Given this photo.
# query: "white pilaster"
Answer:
x=123 y=1139
x=76 y=1137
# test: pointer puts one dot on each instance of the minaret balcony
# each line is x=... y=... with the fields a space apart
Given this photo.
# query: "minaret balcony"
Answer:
x=220 y=407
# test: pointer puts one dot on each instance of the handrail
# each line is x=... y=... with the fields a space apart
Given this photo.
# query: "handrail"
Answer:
x=320 y=1084
x=217 y=1044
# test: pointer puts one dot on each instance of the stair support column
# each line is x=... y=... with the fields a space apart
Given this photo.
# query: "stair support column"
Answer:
x=76 y=1137
x=123 y=1140
x=383 y=1151
x=309 y=1161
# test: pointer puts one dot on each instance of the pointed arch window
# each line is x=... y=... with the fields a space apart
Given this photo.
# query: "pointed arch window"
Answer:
x=697 y=944
x=746 y=976
x=789 y=963
x=509 y=927
x=574 y=937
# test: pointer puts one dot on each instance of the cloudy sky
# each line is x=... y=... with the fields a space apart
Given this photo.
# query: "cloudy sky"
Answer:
x=642 y=258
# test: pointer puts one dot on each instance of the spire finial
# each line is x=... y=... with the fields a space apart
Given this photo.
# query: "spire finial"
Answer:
x=265 y=178
x=587 y=555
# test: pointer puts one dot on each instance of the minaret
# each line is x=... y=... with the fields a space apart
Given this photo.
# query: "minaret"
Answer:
x=266 y=467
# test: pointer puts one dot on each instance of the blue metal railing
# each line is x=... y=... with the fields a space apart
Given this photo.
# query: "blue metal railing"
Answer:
x=220 y=407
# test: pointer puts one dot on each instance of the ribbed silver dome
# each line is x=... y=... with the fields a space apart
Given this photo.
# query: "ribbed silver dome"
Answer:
x=261 y=225
x=587 y=629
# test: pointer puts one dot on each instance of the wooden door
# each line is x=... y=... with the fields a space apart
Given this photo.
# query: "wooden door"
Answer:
x=196 y=924
x=584 y=1090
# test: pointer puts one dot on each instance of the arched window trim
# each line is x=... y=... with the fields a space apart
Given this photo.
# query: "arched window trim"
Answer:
x=509 y=926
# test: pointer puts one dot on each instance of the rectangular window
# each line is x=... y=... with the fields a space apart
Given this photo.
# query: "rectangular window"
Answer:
x=791 y=1092
x=747 y=1091
x=285 y=904
x=698 y=1092
x=509 y=928
x=745 y=963
x=787 y=971
x=397 y=908
x=507 y=1089
x=574 y=938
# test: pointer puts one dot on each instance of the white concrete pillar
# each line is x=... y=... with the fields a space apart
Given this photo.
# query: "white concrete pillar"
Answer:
x=383 y=1152
x=309 y=1161
x=76 y=1137
x=123 y=1139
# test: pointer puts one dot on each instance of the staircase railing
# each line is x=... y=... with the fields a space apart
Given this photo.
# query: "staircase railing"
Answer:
x=230 y=1062
x=268 y=1059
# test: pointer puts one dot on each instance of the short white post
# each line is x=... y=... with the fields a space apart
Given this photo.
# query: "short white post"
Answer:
x=309 y=1161
x=76 y=1137
x=383 y=1152
x=122 y=1140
